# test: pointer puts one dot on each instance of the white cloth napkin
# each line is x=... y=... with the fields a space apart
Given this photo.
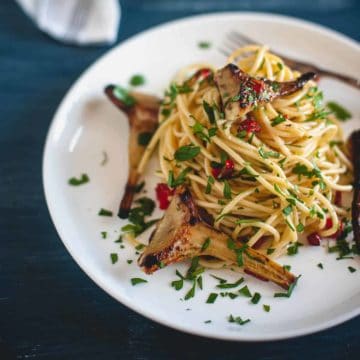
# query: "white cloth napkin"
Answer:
x=78 y=22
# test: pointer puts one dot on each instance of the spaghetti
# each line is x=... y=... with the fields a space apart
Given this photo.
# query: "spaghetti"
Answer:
x=267 y=177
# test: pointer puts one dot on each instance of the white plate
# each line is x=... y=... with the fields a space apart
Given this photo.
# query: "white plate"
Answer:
x=87 y=124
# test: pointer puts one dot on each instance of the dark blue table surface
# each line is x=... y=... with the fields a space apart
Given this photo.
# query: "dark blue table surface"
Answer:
x=48 y=307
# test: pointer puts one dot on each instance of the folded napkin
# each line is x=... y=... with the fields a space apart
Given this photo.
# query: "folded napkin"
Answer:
x=78 y=22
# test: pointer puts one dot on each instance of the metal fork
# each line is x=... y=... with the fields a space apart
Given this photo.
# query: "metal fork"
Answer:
x=235 y=39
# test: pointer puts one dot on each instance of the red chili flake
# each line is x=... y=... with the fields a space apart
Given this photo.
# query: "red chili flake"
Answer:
x=338 y=196
x=314 y=239
x=229 y=164
x=216 y=171
x=258 y=86
x=249 y=125
x=163 y=192
x=202 y=74
x=329 y=224
x=205 y=72
x=228 y=169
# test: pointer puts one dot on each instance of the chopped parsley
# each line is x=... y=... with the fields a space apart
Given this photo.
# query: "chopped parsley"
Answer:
x=210 y=182
x=227 y=190
x=178 y=284
x=287 y=267
x=293 y=248
x=266 y=308
x=206 y=244
x=104 y=212
x=237 y=320
x=268 y=154
x=342 y=246
x=135 y=281
x=212 y=298
x=320 y=265
x=245 y=291
x=287 y=210
x=191 y=292
x=269 y=251
x=221 y=280
x=278 y=120
x=144 y=138
x=207 y=322
x=129 y=261
x=199 y=130
x=137 y=80
x=300 y=227
x=137 y=217
x=204 y=44
x=256 y=298
x=209 y=112
x=76 y=182
x=172 y=182
x=290 y=290
x=123 y=95
x=186 y=152
x=114 y=258
x=340 y=112
x=351 y=269
x=104 y=234
x=230 y=285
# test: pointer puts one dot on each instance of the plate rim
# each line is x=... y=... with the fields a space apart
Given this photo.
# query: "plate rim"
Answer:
x=98 y=280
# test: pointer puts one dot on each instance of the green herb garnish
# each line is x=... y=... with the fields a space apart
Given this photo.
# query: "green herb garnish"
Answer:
x=230 y=285
x=204 y=44
x=114 y=258
x=293 y=249
x=256 y=298
x=210 y=182
x=266 y=308
x=290 y=290
x=123 y=95
x=76 y=182
x=340 y=112
x=191 y=292
x=137 y=217
x=227 y=190
x=135 y=281
x=320 y=265
x=212 y=298
x=144 y=138
x=172 y=182
x=351 y=269
x=186 y=152
x=268 y=154
x=278 y=120
x=245 y=291
x=137 y=80
x=104 y=212
x=287 y=210
x=238 y=320
x=206 y=244
x=209 y=112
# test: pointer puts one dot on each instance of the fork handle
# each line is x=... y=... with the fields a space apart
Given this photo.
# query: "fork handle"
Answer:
x=346 y=79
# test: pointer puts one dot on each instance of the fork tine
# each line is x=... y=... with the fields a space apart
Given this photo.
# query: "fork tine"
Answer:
x=246 y=40
x=238 y=41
